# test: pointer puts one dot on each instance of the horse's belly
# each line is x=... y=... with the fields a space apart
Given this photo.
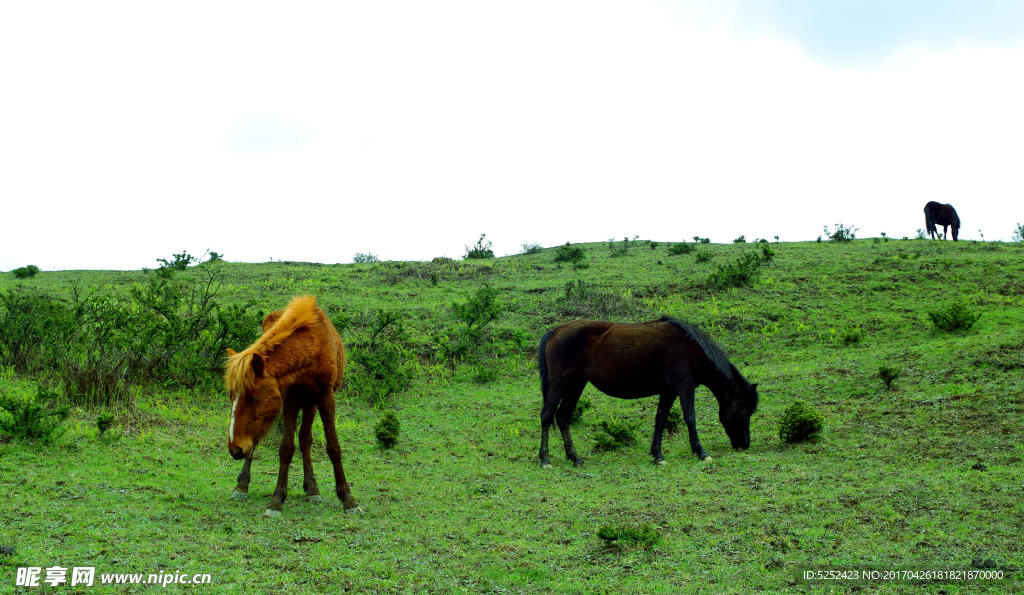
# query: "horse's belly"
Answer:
x=627 y=390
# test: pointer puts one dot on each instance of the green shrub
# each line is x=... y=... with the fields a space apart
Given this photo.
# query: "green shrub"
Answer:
x=387 y=430
x=701 y=240
x=32 y=323
x=574 y=255
x=616 y=249
x=479 y=250
x=852 y=335
x=888 y=374
x=180 y=262
x=704 y=255
x=653 y=245
x=1018 y=234
x=582 y=406
x=954 y=317
x=740 y=240
x=680 y=248
x=616 y=434
x=35 y=416
x=767 y=253
x=479 y=310
x=737 y=274
x=382 y=367
x=799 y=422
x=640 y=536
x=368 y=258
x=485 y=373
x=104 y=421
x=26 y=272
x=581 y=300
x=841 y=233
x=922 y=235
x=214 y=256
x=532 y=248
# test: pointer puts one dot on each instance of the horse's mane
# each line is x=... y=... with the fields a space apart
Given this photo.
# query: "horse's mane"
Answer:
x=713 y=351
x=300 y=313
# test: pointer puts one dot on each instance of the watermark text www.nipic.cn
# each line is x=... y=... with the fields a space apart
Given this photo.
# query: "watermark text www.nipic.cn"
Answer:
x=35 y=576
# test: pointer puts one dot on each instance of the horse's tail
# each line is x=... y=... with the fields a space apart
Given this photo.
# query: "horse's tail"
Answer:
x=542 y=362
x=956 y=223
x=929 y=222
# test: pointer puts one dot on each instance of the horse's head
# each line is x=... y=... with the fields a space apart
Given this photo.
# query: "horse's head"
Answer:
x=253 y=409
x=735 y=415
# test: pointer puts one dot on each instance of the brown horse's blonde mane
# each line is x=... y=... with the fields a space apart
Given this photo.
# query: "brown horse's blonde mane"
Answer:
x=238 y=375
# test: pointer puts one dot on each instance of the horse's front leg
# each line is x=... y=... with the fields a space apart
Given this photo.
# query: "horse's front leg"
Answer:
x=285 y=454
x=690 y=417
x=305 y=446
x=664 y=406
x=242 y=488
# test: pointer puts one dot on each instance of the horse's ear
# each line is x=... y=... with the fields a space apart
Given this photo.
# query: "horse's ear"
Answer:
x=258 y=365
x=232 y=351
x=753 y=388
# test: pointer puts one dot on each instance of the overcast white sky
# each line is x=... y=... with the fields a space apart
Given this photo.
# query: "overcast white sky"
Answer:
x=311 y=131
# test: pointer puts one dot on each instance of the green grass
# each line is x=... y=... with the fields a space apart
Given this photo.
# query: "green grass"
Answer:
x=461 y=505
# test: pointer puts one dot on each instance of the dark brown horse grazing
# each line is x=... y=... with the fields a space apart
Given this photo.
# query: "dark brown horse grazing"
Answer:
x=940 y=214
x=297 y=364
x=663 y=357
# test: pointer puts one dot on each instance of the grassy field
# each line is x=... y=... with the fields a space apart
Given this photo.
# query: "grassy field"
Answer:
x=924 y=476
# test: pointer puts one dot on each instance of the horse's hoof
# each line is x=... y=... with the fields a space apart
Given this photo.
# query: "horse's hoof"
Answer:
x=239 y=495
x=356 y=510
x=707 y=459
x=662 y=462
x=314 y=498
x=547 y=466
x=577 y=463
x=272 y=513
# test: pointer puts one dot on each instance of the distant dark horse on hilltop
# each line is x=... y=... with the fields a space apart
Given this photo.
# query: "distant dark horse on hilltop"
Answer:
x=663 y=357
x=940 y=214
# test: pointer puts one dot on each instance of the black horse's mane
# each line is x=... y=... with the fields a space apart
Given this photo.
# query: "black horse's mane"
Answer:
x=713 y=351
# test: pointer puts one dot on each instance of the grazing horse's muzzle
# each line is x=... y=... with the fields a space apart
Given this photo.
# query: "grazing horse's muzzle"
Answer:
x=237 y=453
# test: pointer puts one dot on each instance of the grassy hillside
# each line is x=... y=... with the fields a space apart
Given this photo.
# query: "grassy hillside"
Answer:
x=923 y=476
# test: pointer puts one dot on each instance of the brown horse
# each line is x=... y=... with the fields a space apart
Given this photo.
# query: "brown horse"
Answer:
x=663 y=357
x=296 y=364
x=940 y=214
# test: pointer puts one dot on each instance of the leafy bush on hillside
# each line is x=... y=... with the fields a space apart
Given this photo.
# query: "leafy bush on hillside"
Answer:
x=1018 y=234
x=574 y=255
x=704 y=255
x=888 y=374
x=34 y=416
x=701 y=240
x=479 y=250
x=616 y=249
x=799 y=422
x=582 y=300
x=368 y=258
x=841 y=233
x=179 y=263
x=740 y=240
x=387 y=430
x=532 y=248
x=735 y=274
x=616 y=434
x=26 y=272
x=641 y=536
x=582 y=406
x=956 y=316
x=381 y=367
x=680 y=248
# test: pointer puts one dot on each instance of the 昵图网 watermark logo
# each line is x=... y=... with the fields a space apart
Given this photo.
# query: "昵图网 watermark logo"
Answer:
x=35 y=576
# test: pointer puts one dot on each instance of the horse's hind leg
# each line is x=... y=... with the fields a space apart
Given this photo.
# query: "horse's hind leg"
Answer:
x=664 y=406
x=561 y=396
x=570 y=397
x=690 y=417
x=341 y=488
x=305 y=445
x=242 y=488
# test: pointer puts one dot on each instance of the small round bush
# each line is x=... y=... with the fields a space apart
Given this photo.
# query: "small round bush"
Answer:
x=387 y=430
x=799 y=422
